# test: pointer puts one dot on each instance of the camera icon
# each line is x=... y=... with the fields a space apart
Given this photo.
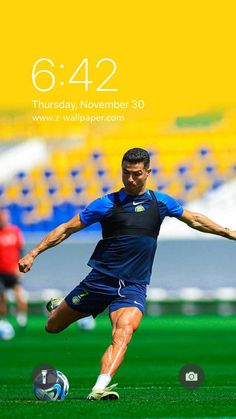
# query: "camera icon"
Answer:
x=191 y=376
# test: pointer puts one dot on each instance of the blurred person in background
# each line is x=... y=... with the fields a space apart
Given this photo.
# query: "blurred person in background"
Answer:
x=11 y=249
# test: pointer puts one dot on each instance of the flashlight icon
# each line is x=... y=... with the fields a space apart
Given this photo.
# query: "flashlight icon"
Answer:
x=44 y=374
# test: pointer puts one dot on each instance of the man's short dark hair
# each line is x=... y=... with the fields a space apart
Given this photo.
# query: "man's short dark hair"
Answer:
x=137 y=155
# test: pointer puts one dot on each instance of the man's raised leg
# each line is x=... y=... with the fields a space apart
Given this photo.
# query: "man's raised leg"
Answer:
x=61 y=317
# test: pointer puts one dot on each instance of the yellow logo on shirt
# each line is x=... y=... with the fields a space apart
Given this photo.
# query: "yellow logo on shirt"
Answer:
x=139 y=208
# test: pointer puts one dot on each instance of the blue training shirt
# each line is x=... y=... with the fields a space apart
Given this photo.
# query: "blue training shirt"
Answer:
x=127 y=257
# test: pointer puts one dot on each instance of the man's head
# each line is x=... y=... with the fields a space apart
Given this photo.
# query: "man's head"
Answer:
x=137 y=155
x=4 y=217
x=135 y=170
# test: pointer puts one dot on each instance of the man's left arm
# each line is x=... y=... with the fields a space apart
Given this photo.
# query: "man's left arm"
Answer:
x=202 y=223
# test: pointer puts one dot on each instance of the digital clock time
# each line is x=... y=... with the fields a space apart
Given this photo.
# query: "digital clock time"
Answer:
x=82 y=68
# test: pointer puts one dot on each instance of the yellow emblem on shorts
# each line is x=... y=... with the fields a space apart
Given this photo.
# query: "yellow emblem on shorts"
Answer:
x=76 y=299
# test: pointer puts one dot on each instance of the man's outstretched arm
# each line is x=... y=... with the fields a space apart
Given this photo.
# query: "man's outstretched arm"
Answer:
x=55 y=237
x=202 y=223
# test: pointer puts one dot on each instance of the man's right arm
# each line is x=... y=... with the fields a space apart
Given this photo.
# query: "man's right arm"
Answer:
x=55 y=237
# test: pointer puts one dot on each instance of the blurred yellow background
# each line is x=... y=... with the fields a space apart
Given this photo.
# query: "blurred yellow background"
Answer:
x=177 y=56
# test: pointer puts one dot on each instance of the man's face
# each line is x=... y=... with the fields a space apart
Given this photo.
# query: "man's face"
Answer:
x=134 y=177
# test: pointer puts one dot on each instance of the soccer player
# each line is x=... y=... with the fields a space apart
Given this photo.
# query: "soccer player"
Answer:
x=122 y=261
x=11 y=247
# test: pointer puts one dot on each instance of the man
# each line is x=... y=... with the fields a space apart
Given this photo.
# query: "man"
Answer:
x=11 y=245
x=122 y=261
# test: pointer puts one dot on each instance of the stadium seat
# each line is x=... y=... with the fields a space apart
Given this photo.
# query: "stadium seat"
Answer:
x=185 y=165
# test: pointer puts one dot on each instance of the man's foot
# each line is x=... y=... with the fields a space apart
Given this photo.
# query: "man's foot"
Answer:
x=106 y=394
x=21 y=319
x=53 y=303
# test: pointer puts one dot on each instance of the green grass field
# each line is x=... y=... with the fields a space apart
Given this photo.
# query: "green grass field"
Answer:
x=148 y=379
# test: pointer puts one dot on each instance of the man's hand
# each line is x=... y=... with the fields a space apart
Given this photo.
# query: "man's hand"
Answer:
x=25 y=263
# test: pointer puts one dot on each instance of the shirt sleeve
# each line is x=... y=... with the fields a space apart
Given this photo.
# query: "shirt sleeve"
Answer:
x=95 y=211
x=171 y=207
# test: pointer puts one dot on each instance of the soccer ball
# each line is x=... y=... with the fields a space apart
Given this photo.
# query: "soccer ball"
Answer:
x=87 y=323
x=57 y=390
x=6 y=330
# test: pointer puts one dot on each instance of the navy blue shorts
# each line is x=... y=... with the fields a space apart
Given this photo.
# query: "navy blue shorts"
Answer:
x=98 y=291
x=8 y=281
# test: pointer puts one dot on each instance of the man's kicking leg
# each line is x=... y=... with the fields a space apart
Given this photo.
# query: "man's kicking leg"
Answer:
x=61 y=317
x=124 y=323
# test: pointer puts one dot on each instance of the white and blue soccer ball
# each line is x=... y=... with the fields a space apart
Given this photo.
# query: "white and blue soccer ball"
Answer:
x=57 y=391
x=6 y=330
x=87 y=323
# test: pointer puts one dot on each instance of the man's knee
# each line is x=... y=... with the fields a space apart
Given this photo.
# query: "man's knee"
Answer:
x=123 y=334
x=52 y=327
